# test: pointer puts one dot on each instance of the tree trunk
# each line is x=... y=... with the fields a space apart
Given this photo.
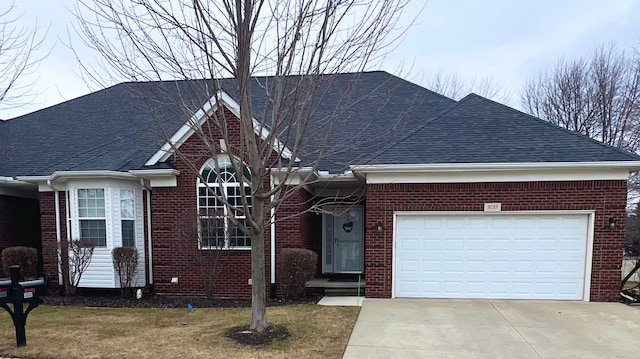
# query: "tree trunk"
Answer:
x=258 y=286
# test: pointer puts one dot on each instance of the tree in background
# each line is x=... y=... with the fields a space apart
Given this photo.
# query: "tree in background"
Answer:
x=597 y=95
x=455 y=87
x=146 y=40
x=18 y=57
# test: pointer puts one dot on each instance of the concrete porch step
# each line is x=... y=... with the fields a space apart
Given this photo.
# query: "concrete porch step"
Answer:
x=328 y=283
x=343 y=292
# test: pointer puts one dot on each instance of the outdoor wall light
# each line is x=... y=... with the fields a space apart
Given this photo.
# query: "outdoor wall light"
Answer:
x=379 y=226
x=612 y=223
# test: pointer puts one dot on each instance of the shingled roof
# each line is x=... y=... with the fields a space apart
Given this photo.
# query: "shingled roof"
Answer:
x=478 y=130
x=382 y=119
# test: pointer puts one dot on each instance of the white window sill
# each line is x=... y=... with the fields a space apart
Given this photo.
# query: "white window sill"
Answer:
x=225 y=249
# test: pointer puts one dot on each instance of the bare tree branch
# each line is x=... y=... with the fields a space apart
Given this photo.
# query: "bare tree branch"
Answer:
x=298 y=43
x=19 y=47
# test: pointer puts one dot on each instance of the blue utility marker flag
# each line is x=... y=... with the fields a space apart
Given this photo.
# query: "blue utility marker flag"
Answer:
x=189 y=306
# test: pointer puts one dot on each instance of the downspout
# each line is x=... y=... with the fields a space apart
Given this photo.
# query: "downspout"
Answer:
x=56 y=194
x=272 y=232
x=149 y=242
x=68 y=211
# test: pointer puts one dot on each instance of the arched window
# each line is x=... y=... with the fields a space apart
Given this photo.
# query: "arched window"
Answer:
x=220 y=225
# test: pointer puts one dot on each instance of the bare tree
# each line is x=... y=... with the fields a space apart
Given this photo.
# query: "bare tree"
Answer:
x=18 y=58
x=598 y=96
x=125 y=262
x=298 y=43
x=455 y=87
x=74 y=257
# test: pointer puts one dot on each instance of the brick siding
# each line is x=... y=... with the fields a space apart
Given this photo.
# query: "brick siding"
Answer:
x=606 y=198
x=176 y=255
x=48 y=232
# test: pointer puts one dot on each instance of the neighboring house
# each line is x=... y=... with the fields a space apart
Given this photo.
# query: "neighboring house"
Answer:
x=454 y=199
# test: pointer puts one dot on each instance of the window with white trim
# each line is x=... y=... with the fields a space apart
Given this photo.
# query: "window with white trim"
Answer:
x=220 y=225
x=127 y=217
x=92 y=216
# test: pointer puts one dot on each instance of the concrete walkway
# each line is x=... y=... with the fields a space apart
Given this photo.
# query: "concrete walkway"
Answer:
x=461 y=329
x=340 y=302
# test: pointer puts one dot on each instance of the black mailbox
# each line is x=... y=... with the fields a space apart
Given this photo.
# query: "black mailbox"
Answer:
x=19 y=293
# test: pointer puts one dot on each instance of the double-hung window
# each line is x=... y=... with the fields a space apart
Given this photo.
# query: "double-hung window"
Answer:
x=127 y=217
x=92 y=217
x=220 y=225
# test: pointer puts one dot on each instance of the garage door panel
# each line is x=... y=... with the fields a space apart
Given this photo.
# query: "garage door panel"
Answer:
x=431 y=223
x=491 y=256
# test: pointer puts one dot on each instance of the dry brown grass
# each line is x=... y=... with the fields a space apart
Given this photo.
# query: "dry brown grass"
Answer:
x=83 y=333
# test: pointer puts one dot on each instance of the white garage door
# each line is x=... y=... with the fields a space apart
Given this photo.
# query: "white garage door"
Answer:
x=504 y=256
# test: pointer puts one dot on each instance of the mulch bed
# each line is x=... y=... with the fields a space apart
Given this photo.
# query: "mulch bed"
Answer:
x=246 y=336
x=115 y=300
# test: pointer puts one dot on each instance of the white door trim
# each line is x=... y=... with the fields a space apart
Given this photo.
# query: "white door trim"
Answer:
x=589 y=244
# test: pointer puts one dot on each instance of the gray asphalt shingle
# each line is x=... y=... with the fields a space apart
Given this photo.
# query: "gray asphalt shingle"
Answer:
x=478 y=130
x=360 y=118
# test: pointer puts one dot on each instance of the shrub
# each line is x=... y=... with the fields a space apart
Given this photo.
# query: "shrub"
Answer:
x=74 y=258
x=296 y=267
x=125 y=262
x=25 y=257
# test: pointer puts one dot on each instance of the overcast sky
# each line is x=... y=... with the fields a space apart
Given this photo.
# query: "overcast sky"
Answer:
x=506 y=41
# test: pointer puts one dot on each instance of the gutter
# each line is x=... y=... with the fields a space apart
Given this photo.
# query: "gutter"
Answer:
x=149 y=241
x=453 y=167
x=272 y=233
x=132 y=174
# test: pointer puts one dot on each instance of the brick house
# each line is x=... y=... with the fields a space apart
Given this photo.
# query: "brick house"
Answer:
x=446 y=199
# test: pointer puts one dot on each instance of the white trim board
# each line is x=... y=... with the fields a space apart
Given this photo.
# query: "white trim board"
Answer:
x=589 y=236
x=156 y=177
x=497 y=172
x=198 y=118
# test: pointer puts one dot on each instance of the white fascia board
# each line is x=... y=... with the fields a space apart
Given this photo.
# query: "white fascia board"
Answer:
x=62 y=175
x=262 y=131
x=158 y=177
x=198 y=118
x=33 y=179
x=630 y=165
x=45 y=182
x=297 y=174
x=155 y=172
x=498 y=172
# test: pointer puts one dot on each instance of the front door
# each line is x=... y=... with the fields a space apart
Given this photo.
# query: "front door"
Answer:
x=343 y=240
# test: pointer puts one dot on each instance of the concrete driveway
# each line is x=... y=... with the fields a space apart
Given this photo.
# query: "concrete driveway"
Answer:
x=425 y=328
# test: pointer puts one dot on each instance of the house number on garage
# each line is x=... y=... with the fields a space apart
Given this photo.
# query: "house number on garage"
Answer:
x=492 y=207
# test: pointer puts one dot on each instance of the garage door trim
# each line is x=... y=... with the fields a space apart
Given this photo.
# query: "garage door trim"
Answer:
x=588 y=252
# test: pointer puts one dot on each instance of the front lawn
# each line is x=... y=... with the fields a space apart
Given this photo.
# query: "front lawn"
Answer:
x=77 y=332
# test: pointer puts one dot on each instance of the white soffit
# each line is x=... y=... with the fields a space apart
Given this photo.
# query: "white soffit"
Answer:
x=198 y=118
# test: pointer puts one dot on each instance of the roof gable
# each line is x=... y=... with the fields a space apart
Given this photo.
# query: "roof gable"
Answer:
x=207 y=110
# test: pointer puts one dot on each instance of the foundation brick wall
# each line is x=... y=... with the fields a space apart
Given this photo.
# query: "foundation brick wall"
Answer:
x=606 y=198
